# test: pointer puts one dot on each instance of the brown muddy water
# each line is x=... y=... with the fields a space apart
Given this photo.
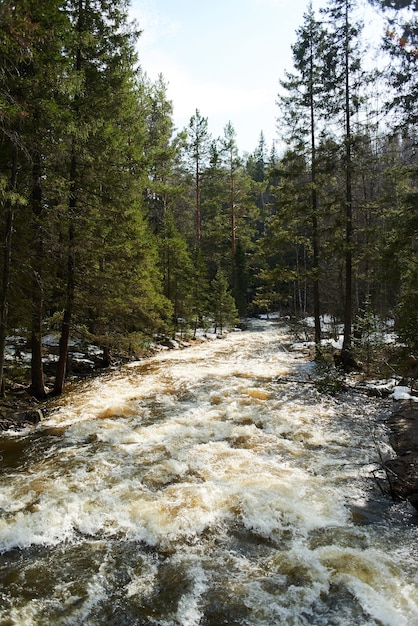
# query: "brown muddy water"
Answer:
x=196 y=489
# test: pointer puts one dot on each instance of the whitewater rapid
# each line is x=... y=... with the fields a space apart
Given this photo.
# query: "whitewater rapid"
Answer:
x=205 y=486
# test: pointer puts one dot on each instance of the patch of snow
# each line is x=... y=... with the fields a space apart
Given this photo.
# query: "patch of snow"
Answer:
x=327 y=319
x=328 y=322
x=204 y=334
x=390 y=338
x=302 y=345
x=388 y=383
x=270 y=316
x=10 y=354
x=94 y=350
x=308 y=321
x=51 y=358
x=16 y=339
x=50 y=340
x=80 y=357
x=334 y=343
x=403 y=393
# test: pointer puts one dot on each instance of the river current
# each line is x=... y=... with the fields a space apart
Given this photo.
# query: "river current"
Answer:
x=206 y=486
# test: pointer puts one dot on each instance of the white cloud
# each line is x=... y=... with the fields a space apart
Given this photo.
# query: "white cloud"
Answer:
x=214 y=98
x=229 y=75
x=218 y=101
x=275 y=4
x=153 y=24
x=284 y=5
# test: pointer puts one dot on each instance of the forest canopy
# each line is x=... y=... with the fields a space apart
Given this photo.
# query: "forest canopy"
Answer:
x=116 y=228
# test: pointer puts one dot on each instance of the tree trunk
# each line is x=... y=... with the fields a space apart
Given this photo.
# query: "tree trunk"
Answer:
x=72 y=206
x=316 y=296
x=232 y=208
x=346 y=353
x=7 y=255
x=315 y=261
x=107 y=358
x=66 y=321
x=315 y=231
x=37 y=387
x=69 y=305
x=198 y=204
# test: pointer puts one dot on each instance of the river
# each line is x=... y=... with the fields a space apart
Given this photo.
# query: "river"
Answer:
x=199 y=488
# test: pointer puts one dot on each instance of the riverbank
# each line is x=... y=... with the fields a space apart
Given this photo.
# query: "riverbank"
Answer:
x=19 y=409
x=402 y=471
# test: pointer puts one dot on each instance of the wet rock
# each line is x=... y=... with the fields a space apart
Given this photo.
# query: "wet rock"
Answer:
x=20 y=420
x=402 y=471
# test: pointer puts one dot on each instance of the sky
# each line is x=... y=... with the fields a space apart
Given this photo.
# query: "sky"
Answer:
x=222 y=57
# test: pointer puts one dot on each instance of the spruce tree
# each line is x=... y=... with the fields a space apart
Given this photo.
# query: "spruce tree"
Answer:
x=104 y=225
x=224 y=311
x=345 y=79
x=177 y=272
x=198 y=144
x=30 y=90
x=302 y=118
x=242 y=216
x=401 y=42
x=46 y=116
x=15 y=48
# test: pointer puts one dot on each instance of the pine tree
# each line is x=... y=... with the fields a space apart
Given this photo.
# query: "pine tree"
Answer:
x=401 y=42
x=344 y=103
x=102 y=209
x=224 y=311
x=198 y=144
x=177 y=270
x=233 y=162
x=302 y=113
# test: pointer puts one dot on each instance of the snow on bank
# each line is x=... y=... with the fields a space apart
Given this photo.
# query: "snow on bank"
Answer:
x=390 y=388
x=403 y=393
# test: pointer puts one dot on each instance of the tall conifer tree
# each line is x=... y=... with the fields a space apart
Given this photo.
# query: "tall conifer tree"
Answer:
x=302 y=116
x=100 y=162
x=344 y=103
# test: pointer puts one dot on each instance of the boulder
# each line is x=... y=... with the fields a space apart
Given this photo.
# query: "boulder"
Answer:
x=21 y=419
x=402 y=471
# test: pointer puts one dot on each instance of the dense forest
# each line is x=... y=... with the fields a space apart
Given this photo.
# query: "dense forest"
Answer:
x=116 y=228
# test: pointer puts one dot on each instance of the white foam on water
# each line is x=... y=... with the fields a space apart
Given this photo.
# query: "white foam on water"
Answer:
x=206 y=439
x=188 y=611
x=375 y=582
x=96 y=592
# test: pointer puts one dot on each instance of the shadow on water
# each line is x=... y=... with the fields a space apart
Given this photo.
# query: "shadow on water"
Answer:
x=105 y=581
x=202 y=492
x=20 y=453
